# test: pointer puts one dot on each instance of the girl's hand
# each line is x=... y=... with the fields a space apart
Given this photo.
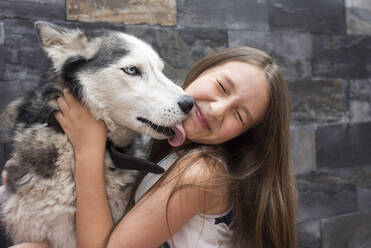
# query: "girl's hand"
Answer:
x=86 y=134
x=31 y=245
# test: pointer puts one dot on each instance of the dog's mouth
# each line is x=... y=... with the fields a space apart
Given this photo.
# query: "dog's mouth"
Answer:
x=160 y=129
x=175 y=134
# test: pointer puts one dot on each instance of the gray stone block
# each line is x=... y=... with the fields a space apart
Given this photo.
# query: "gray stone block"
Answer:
x=181 y=48
x=360 y=100
x=24 y=58
x=309 y=235
x=343 y=145
x=302 y=149
x=291 y=51
x=351 y=231
x=323 y=195
x=2 y=160
x=51 y=10
x=231 y=14
x=316 y=16
x=318 y=101
x=358 y=16
x=341 y=56
x=2 y=49
x=1 y=33
x=364 y=198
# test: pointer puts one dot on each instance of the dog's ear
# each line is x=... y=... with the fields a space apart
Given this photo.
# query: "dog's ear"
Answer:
x=61 y=43
x=52 y=35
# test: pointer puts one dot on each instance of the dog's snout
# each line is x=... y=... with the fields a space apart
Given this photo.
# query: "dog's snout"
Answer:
x=186 y=103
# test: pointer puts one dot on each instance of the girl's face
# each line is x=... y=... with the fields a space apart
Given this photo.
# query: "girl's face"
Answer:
x=229 y=99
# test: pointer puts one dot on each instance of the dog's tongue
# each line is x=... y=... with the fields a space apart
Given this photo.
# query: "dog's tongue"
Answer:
x=179 y=137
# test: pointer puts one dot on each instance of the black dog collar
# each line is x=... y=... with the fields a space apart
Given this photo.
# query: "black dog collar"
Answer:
x=128 y=162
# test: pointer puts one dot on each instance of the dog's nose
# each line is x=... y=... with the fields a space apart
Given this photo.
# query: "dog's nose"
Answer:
x=186 y=103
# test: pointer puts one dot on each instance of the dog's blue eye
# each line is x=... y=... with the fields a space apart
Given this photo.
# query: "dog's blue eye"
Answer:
x=131 y=70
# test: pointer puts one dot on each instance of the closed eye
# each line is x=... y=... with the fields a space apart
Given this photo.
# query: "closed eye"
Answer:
x=222 y=87
x=239 y=117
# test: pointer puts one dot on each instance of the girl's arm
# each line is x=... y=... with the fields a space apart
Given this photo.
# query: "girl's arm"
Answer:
x=88 y=137
x=153 y=220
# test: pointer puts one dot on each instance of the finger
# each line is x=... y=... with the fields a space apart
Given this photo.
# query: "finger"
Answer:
x=71 y=100
x=63 y=105
x=60 y=118
x=31 y=245
x=3 y=176
x=2 y=190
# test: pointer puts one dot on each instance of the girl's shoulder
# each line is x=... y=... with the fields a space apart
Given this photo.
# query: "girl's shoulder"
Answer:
x=206 y=168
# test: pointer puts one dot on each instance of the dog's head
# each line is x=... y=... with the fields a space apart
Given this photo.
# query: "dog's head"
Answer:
x=119 y=78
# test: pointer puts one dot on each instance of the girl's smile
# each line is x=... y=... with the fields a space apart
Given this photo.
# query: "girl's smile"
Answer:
x=201 y=118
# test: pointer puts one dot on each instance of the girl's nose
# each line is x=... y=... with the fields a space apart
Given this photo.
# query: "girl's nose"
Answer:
x=218 y=109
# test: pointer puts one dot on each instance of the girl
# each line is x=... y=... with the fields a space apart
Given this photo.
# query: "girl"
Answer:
x=229 y=185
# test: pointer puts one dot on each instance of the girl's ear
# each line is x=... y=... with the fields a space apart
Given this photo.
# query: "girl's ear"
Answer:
x=61 y=43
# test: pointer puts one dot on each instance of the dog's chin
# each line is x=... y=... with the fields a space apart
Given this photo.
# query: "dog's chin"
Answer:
x=156 y=135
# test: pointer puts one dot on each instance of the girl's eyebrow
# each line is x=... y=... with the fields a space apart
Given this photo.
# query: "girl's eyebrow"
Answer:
x=229 y=81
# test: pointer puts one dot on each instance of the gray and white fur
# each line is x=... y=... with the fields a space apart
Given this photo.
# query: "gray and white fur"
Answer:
x=119 y=79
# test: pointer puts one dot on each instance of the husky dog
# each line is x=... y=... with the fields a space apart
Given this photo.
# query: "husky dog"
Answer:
x=118 y=78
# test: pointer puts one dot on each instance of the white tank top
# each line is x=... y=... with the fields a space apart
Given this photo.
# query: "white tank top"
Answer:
x=201 y=231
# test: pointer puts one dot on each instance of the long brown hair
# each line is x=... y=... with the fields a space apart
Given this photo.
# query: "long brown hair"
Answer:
x=262 y=188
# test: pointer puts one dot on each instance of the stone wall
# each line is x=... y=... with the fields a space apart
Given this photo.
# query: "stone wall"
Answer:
x=323 y=46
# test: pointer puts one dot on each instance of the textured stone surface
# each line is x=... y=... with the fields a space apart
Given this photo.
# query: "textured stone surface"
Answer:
x=358 y=16
x=317 y=101
x=341 y=56
x=2 y=160
x=353 y=231
x=324 y=195
x=24 y=58
x=53 y=10
x=309 y=235
x=231 y=14
x=2 y=48
x=128 y=11
x=343 y=145
x=1 y=33
x=360 y=100
x=302 y=149
x=364 y=198
x=308 y=16
x=181 y=48
x=10 y=90
x=291 y=51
